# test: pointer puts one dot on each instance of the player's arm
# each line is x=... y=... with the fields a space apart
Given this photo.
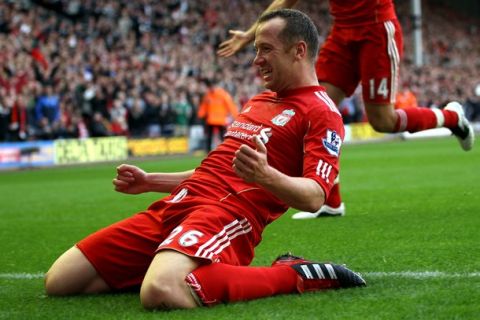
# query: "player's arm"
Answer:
x=297 y=192
x=240 y=39
x=133 y=180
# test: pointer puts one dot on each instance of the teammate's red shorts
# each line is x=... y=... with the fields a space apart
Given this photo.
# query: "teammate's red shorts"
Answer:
x=195 y=226
x=369 y=54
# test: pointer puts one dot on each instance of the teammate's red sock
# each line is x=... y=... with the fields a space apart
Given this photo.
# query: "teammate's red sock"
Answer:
x=334 y=199
x=451 y=119
x=419 y=119
x=218 y=282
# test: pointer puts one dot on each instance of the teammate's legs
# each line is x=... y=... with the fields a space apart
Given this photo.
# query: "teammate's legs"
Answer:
x=72 y=273
x=385 y=118
x=382 y=117
x=380 y=57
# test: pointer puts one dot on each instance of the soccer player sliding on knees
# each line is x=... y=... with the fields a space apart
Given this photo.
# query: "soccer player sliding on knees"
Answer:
x=194 y=246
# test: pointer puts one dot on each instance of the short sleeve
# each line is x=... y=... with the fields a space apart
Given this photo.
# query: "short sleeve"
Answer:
x=322 y=147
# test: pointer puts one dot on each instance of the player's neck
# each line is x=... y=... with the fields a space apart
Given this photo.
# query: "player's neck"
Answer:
x=301 y=80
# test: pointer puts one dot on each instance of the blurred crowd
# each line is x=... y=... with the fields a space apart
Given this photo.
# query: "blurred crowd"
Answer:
x=138 y=68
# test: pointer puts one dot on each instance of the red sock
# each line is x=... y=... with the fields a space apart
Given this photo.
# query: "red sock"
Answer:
x=219 y=282
x=415 y=119
x=334 y=199
x=451 y=119
x=419 y=119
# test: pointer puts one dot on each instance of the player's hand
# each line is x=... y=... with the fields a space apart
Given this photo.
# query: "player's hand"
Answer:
x=130 y=179
x=251 y=165
x=231 y=46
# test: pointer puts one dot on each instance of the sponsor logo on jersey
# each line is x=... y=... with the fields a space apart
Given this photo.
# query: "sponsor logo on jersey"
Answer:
x=332 y=143
x=283 y=118
x=265 y=135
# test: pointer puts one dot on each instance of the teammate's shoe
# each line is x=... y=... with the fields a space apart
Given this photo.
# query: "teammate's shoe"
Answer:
x=464 y=130
x=325 y=211
x=313 y=276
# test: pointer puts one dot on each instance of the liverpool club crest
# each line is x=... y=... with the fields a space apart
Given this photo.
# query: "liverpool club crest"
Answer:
x=283 y=118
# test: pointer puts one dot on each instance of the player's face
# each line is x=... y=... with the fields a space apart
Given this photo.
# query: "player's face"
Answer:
x=273 y=59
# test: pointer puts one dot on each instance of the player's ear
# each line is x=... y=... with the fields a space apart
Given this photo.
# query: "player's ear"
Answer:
x=301 y=50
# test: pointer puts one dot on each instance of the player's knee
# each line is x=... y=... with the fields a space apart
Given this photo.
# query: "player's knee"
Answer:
x=49 y=284
x=166 y=293
x=54 y=285
x=381 y=125
x=164 y=285
x=62 y=279
x=382 y=118
x=158 y=294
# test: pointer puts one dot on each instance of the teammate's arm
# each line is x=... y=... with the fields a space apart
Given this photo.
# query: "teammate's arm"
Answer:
x=240 y=38
x=133 y=180
x=300 y=193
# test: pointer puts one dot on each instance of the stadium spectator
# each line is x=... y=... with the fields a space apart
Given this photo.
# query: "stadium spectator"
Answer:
x=99 y=126
x=406 y=98
x=118 y=116
x=365 y=34
x=192 y=247
x=78 y=128
x=4 y=115
x=44 y=130
x=19 y=119
x=351 y=108
x=48 y=106
x=183 y=111
x=472 y=105
x=90 y=45
x=217 y=109
x=71 y=125
x=167 y=115
x=152 y=115
x=136 y=118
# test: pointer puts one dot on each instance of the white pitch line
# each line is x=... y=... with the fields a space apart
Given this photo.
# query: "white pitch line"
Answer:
x=21 y=276
x=401 y=274
x=421 y=275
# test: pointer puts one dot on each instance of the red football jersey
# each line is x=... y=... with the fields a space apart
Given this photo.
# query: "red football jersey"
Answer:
x=358 y=12
x=302 y=131
x=216 y=215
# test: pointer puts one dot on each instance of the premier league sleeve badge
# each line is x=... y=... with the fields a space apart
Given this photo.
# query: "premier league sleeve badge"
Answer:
x=332 y=142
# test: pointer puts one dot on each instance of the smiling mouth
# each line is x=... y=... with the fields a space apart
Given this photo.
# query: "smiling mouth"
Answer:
x=266 y=73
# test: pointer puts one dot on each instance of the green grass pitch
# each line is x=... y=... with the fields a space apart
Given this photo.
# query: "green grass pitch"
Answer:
x=412 y=229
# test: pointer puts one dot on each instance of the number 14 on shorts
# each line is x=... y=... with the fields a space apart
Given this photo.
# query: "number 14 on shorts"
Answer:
x=380 y=89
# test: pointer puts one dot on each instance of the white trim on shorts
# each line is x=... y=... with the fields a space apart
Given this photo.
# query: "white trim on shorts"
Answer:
x=394 y=56
x=221 y=240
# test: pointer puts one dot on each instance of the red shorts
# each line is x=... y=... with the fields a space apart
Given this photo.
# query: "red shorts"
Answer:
x=369 y=54
x=198 y=227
